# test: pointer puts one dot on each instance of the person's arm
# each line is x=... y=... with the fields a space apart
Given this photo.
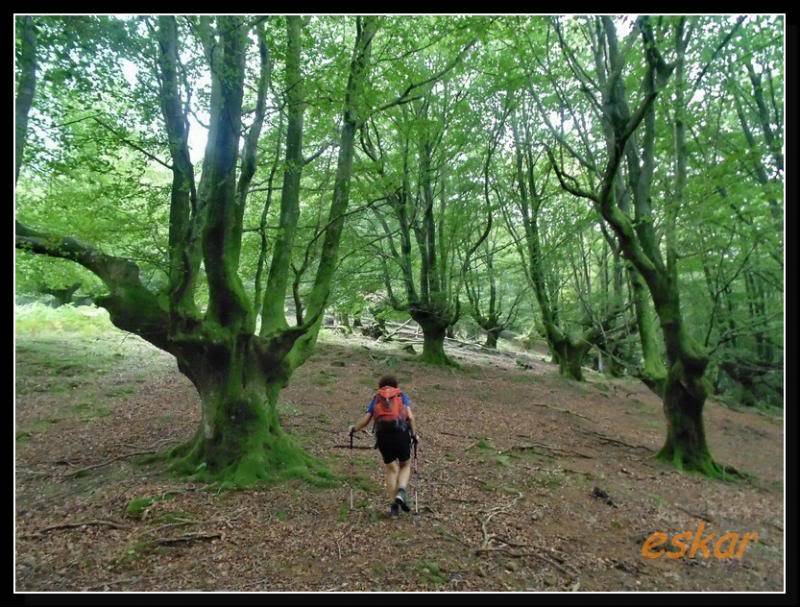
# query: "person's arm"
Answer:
x=361 y=424
x=411 y=424
x=410 y=417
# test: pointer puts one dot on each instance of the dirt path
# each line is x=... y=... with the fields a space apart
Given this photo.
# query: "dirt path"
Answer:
x=510 y=459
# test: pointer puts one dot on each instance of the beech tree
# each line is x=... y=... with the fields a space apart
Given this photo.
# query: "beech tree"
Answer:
x=684 y=389
x=237 y=371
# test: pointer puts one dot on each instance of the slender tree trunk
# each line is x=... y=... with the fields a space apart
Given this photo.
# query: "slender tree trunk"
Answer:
x=26 y=88
x=653 y=372
x=273 y=317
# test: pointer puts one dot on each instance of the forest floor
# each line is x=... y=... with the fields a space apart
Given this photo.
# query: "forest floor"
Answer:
x=511 y=463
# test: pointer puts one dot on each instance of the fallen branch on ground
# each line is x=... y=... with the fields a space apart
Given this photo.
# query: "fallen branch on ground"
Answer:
x=557 y=450
x=189 y=537
x=179 y=523
x=694 y=514
x=534 y=553
x=113 y=524
x=562 y=411
x=495 y=542
x=608 y=439
x=390 y=335
x=147 y=451
x=111 y=583
x=460 y=435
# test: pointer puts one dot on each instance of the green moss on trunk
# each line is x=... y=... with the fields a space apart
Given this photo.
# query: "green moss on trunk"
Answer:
x=491 y=339
x=685 y=447
x=570 y=359
x=241 y=443
x=433 y=347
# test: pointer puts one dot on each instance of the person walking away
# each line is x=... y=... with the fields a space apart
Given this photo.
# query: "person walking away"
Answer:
x=390 y=411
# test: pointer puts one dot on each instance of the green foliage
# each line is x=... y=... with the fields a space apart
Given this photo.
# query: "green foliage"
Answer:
x=137 y=506
x=430 y=572
x=38 y=319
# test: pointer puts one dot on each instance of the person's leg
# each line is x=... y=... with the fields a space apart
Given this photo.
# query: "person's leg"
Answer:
x=392 y=470
x=404 y=473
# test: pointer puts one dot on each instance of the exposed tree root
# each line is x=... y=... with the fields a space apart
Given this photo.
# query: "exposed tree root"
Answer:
x=701 y=463
x=148 y=451
x=556 y=450
x=272 y=457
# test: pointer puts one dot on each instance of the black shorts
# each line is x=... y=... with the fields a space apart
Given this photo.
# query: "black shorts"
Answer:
x=394 y=445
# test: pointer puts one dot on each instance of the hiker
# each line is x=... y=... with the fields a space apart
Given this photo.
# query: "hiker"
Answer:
x=394 y=433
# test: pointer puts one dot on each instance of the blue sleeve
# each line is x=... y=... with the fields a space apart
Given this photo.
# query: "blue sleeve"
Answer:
x=371 y=405
x=406 y=402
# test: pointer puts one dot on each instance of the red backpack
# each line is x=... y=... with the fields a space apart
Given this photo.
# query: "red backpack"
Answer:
x=389 y=408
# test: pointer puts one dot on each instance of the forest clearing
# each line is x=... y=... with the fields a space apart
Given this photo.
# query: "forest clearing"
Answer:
x=366 y=303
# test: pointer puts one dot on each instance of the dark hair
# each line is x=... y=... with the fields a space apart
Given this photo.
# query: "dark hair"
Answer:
x=387 y=380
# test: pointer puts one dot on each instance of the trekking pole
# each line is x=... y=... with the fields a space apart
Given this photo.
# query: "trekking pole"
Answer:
x=351 y=471
x=416 y=488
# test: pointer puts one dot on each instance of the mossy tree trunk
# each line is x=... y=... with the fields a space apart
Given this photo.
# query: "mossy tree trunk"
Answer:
x=570 y=356
x=684 y=392
x=639 y=184
x=433 y=345
x=240 y=440
x=492 y=335
x=433 y=321
x=64 y=295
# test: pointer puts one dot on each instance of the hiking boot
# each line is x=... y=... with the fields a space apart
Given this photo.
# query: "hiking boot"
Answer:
x=401 y=500
x=394 y=511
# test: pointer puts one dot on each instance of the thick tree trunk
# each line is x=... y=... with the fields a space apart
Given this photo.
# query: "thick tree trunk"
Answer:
x=240 y=441
x=433 y=320
x=685 y=390
x=685 y=446
x=433 y=346
x=569 y=357
x=63 y=296
x=491 y=338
